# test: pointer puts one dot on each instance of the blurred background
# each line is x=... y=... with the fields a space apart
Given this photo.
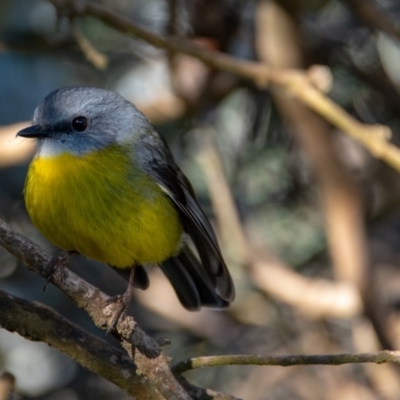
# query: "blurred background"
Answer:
x=308 y=221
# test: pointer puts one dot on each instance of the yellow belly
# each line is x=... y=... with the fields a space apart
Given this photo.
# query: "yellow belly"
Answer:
x=98 y=205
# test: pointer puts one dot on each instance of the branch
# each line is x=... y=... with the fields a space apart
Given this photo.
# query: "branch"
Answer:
x=7 y=384
x=154 y=379
x=375 y=16
x=14 y=151
x=173 y=17
x=317 y=298
x=94 y=56
x=150 y=361
x=375 y=138
x=37 y=322
x=379 y=357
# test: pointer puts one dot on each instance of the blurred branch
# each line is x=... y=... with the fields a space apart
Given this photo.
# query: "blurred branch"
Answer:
x=379 y=357
x=314 y=297
x=375 y=16
x=94 y=56
x=165 y=107
x=152 y=365
x=7 y=384
x=13 y=150
x=36 y=45
x=375 y=138
x=317 y=298
x=233 y=237
x=173 y=17
x=340 y=197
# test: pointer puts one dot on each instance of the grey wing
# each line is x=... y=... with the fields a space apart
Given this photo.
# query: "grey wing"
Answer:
x=158 y=162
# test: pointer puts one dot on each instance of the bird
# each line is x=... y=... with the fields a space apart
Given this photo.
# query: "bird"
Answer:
x=103 y=183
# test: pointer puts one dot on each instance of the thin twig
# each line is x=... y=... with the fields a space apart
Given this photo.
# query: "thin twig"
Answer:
x=94 y=56
x=379 y=357
x=232 y=234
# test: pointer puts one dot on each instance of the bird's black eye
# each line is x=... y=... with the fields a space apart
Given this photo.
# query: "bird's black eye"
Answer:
x=79 y=124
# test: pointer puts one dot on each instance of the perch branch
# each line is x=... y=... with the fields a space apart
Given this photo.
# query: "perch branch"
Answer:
x=150 y=361
x=35 y=322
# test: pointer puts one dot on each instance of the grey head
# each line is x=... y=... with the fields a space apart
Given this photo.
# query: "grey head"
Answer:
x=80 y=120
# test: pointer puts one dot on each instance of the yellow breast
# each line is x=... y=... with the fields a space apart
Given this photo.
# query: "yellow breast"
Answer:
x=101 y=206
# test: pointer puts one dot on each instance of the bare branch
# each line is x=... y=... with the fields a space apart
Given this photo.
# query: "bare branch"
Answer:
x=379 y=357
x=7 y=384
x=375 y=16
x=14 y=150
x=232 y=235
x=317 y=298
x=173 y=17
x=94 y=56
x=375 y=138
x=151 y=362
x=37 y=322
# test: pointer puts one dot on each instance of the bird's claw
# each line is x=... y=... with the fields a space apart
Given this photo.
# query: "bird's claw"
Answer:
x=121 y=303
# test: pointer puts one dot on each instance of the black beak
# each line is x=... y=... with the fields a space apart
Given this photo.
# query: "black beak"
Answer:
x=34 y=131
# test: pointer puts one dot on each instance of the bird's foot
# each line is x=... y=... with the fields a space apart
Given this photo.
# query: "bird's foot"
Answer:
x=121 y=302
x=58 y=262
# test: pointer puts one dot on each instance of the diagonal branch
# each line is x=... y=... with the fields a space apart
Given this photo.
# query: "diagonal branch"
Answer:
x=151 y=363
x=375 y=16
x=36 y=322
x=297 y=83
x=93 y=55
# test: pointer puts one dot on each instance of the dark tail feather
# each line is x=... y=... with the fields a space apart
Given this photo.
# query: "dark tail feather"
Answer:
x=214 y=267
x=193 y=288
x=194 y=285
x=199 y=229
